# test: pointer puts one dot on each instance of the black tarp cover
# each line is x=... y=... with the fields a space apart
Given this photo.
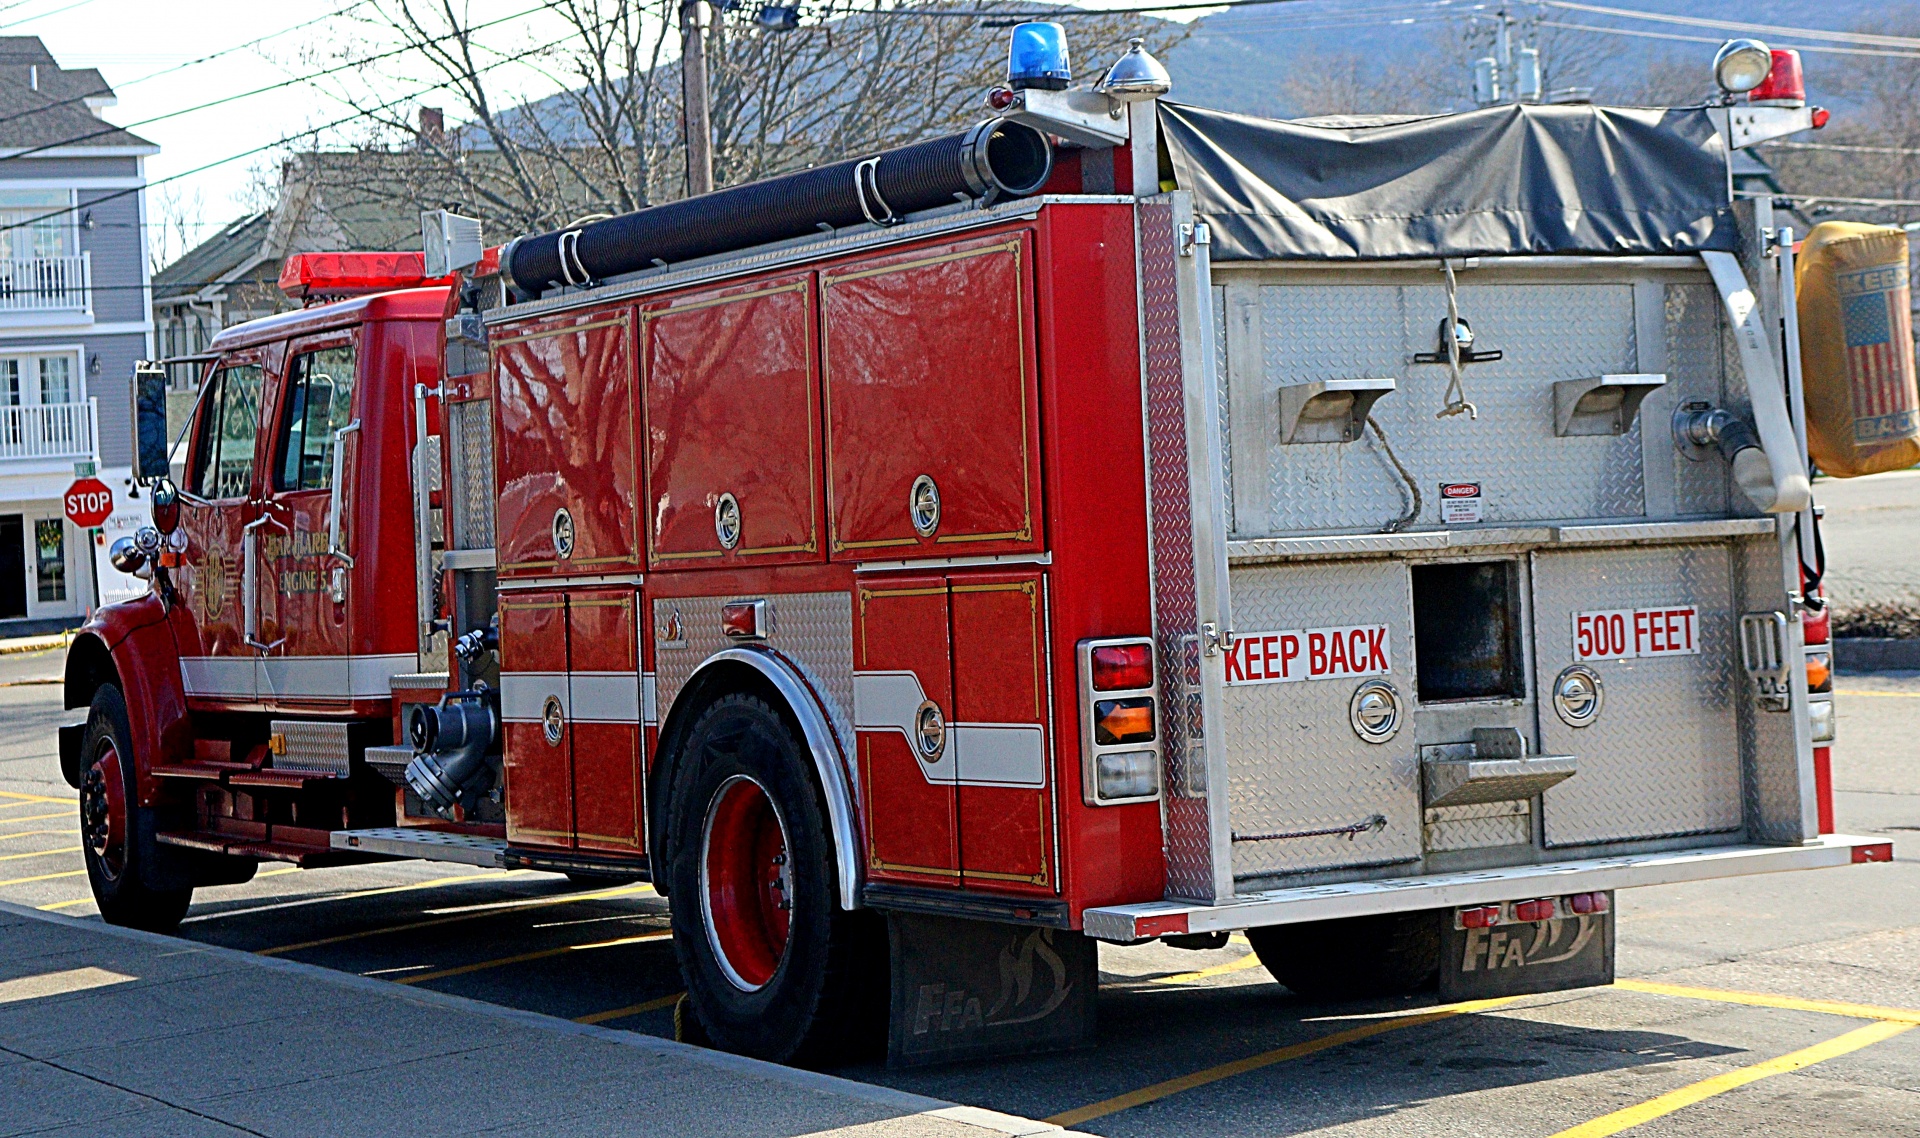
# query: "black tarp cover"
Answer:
x=1503 y=180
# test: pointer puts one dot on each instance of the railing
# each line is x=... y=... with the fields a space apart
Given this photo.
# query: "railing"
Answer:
x=38 y=284
x=47 y=430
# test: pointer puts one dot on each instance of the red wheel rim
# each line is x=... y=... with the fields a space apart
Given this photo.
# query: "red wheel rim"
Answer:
x=746 y=883
x=103 y=811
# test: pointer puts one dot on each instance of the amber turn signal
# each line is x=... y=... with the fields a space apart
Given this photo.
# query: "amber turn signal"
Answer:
x=1123 y=721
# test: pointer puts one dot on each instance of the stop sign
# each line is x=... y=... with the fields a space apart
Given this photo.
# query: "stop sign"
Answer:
x=89 y=502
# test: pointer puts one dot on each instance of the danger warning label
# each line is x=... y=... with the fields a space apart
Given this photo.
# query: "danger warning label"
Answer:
x=1309 y=654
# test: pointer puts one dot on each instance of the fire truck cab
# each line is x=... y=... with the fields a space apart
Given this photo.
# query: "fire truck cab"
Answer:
x=1119 y=521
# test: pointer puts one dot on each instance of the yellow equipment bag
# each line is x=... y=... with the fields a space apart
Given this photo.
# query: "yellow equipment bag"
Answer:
x=1856 y=349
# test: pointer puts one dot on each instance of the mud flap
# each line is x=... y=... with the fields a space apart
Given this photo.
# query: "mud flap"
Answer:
x=975 y=989
x=1521 y=959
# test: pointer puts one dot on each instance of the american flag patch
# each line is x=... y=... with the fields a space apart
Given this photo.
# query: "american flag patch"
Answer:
x=1875 y=317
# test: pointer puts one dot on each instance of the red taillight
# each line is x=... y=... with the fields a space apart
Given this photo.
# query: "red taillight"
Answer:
x=1585 y=903
x=1821 y=117
x=1000 y=98
x=742 y=619
x=1485 y=917
x=1122 y=721
x=1817 y=626
x=1122 y=667
x=1541 y=910
x=1784 y=86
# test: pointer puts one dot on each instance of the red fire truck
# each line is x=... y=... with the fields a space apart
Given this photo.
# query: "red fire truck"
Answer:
x=1119 y=521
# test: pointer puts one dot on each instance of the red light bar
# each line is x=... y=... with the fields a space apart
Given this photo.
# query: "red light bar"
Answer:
x=1541 y=910
x=1485 y=917
x=1122 y=667
x=306 y=275
x=1584 y=903
x=1784 y=86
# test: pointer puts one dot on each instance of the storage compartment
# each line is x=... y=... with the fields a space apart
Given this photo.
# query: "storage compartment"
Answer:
x=1466 y=630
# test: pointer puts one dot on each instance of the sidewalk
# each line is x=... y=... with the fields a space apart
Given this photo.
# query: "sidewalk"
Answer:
x=107 y=1032
x=12 y=646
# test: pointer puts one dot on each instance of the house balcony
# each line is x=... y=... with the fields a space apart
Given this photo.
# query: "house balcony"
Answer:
x=48 y=431
x=47 y=284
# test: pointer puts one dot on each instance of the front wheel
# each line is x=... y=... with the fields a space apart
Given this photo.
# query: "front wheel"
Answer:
x=116 y=833
x=774 y=968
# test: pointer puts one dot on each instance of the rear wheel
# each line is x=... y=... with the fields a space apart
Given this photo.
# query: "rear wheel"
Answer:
x=774 y=968
x=1382 y=955
x=117 y=834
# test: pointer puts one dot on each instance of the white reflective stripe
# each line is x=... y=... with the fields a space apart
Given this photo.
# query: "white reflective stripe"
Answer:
x=605 y=697
x=303 y=677
x=977 y=754
x=649 y=699
x=217 y=675
x=523 y=695
x=999 y=754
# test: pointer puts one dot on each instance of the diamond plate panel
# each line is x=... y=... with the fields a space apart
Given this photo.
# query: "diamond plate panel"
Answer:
x=812 y=630
x=1664 y=756
x=1189 y=849
x=1549 y=332
x=1488 y=825
x=318 y=747
x=1224 y=396
x=1697 y=363
x=471 y=425
x=1294 y=761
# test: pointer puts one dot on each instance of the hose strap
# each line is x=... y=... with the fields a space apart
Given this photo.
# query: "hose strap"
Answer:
x=866 y=187
x=571 y=269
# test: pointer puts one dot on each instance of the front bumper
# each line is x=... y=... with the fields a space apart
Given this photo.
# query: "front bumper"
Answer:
x=1128 y=923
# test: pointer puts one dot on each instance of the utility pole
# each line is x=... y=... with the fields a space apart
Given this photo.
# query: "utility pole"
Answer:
x=693 y=95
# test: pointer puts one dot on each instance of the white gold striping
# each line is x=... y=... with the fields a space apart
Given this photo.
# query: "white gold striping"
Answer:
x=293 y=677
x=978 y=754
x=523 y=695
x=605 y=697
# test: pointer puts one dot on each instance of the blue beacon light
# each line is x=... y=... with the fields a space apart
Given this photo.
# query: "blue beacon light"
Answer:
x=1037 y=57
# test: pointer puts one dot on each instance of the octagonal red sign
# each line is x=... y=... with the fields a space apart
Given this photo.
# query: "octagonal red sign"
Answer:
x=89 y=502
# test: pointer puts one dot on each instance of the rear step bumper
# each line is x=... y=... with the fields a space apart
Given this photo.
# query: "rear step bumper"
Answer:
x=420 y=842
x=1128 y=923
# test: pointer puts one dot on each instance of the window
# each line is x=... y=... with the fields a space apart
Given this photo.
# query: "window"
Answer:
x=319 y=402
x=56 y=379
x=30 y=231
x=229 y=420
x=10 y=382
x=26 y=380
x=50 y=558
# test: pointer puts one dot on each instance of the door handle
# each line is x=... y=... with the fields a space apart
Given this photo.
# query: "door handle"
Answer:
x=249 y=584
x=337 y=577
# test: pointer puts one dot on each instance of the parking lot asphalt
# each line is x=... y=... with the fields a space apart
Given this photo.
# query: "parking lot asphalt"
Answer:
x=1766 y=1005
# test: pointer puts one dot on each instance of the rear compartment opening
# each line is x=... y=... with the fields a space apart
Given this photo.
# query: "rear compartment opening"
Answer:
x=1466 y=631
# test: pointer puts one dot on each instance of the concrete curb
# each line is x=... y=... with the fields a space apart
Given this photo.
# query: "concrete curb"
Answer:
x=994 y=1121
x=1875 y=654
x=22 y=644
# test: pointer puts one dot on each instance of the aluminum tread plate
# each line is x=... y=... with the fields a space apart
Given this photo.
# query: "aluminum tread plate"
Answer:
x=1294 y=761
x=1124 y=923
x=425 y=844
x=1663 y=758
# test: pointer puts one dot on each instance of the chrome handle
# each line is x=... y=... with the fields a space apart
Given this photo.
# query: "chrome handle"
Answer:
x=249 y=581
x=334 y=548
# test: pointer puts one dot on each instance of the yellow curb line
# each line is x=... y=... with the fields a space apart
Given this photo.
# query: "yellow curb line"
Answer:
x=490 y=911
x=631 y=1009
x=1908 y=1016
x=522 y=958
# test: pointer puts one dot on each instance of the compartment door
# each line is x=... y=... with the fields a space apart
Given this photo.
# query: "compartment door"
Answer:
x=568 y=467
x=603 y=649
x=901 y=667
x=930 y=373
x=1662 y=757
x=536 y=718
x=1305 y=790
x=732 y=413
x=999 y=734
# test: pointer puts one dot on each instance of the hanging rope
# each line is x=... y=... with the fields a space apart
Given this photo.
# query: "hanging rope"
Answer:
x=1413 y=488
x=1456 y=397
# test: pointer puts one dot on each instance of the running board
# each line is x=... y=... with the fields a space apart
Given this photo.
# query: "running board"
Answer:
x=1127 y=924
x=425 y=844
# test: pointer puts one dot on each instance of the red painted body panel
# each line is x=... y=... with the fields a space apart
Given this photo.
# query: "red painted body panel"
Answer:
x=136 y=634
x=539 y=772
x=1000 y=677
x=603 y=637
x=1823 y=788
x=901 y=626
x=566 y=439
x=928 y=357
x=732 y=406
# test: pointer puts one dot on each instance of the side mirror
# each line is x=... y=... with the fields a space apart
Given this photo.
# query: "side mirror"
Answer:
x=164 y=505
x=151 y=442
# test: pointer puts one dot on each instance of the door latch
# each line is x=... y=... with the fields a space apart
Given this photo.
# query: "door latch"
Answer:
x=1763 y=651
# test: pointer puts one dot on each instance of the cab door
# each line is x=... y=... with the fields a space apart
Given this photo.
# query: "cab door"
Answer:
x=217 y=504
x=304 y=623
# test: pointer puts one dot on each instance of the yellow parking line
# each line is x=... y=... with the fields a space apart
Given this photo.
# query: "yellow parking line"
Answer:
x=524 y=957
x=298 y=901
x=31 y=833
x=1250 y=960
x=384 y=929
x=1686 y=1096
x=1162 y=1090
x=39 y=853
x=1908 y=1016
x=44 y=877
x=25 y=798
x=74 y=813
x=58 y=905
x=631 y=1009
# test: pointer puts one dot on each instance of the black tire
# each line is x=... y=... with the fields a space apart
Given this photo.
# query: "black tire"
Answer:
x=1385 y=955
x=822 y=999
x=129 y=884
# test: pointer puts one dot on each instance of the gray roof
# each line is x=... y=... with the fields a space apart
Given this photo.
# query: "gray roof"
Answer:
x=56 y=113
x=211 y=260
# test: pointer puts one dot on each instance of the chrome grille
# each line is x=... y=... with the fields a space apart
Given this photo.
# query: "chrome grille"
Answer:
x=471 y=426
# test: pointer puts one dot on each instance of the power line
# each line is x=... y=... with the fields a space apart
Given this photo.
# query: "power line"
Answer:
x=1736 y=25
x=109 y=128
x=44 y=15
x=1638 y=34
x=1842 y=147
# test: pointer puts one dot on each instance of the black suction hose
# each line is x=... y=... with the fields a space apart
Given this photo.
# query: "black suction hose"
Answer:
x=1005 y=159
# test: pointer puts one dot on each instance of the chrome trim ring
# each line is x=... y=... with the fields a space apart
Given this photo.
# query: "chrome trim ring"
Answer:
x=562 y=533
x=784 y=879
x=1578 y=695
x=923 y=505
x=553 y=720
x=1375 y=711
x=930 y=732
x=726 y=521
